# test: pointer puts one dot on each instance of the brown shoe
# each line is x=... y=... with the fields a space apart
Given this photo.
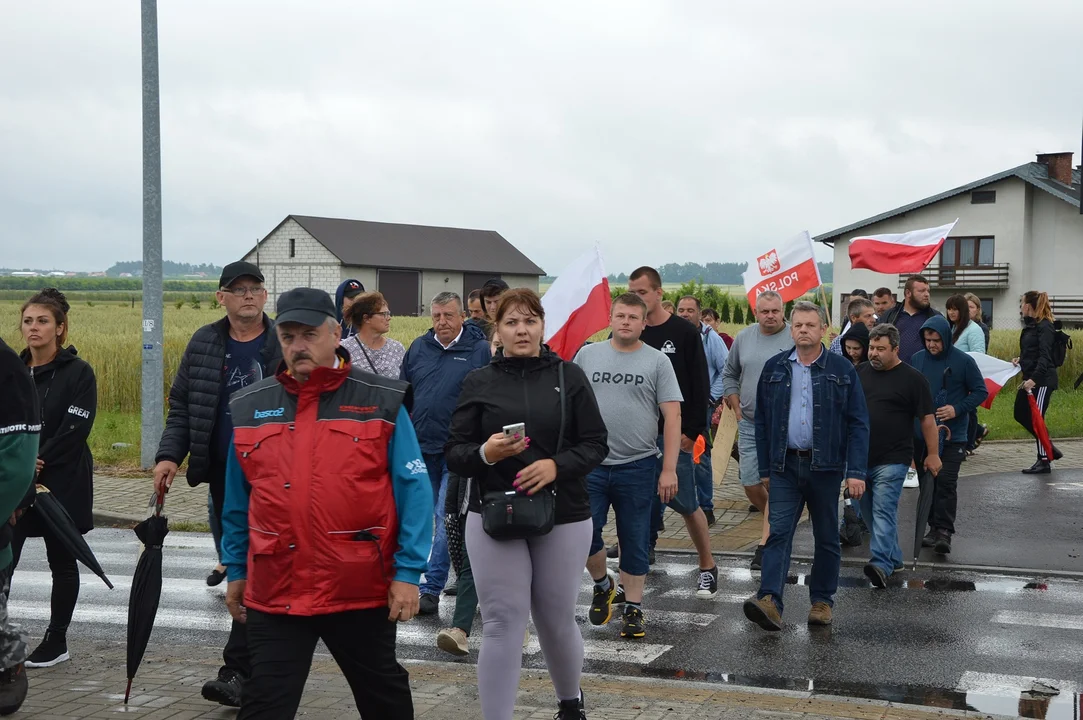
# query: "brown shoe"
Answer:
x=763 y=612
x=820 y=614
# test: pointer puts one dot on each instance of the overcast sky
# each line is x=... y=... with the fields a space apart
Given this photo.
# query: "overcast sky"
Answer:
x=667 y=131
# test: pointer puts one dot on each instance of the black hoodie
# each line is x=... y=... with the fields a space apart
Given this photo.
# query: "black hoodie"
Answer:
x=1036 y=352
x=68 y=393
x=525 y=390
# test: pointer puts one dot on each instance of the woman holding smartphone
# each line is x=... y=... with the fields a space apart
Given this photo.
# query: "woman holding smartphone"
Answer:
x=540 y=576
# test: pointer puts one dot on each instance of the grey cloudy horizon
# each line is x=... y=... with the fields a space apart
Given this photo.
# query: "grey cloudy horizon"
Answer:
x=666 y=132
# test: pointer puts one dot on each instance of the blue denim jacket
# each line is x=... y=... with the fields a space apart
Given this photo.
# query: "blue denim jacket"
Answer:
x=840 y=419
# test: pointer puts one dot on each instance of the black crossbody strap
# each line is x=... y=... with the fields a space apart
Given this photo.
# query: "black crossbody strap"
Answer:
x=563 y=418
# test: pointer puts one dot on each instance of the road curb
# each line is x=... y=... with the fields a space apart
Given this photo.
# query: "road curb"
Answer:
x=108 y=518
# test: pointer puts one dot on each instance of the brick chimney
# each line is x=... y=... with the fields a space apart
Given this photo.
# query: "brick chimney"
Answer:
x=1059 y=164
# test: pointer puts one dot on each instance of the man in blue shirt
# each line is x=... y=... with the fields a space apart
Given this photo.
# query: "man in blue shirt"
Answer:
x=812 y=426
x=689 y=308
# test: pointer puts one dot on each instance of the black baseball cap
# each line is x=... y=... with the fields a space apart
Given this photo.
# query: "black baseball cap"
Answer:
x=307 y=306
x=352 y=288
x=239 y=269
x=493 y=286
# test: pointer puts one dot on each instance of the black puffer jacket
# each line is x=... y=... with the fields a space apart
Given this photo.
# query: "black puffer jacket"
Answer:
x=195 y=393
x=68 y=394
x=525 y=390
x=1036 y=352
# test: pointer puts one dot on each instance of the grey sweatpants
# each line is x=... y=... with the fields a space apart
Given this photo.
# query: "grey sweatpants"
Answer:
x=516 y=579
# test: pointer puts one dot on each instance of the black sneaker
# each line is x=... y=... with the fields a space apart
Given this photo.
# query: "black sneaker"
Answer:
x=876 y=576
x=225 y=689
x=52 y=651
x=613 y=551
x=930 y=538
x=709 y=514
x=13 y=689
x=1041 y=467
x=943 y=544
x=633 y=626
x=757 y=559
x=618 y=599
x=708 y=582
x=429 y=604
x=753 y=508
x=601 y=607
x=650 y=556
x=452 y=589
x=572 y=709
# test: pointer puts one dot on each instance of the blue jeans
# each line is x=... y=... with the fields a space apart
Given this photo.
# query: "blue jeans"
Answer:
x=630 y=488
x=705 y=474
x=880 y=508
x=439 y=559
x=793 y=488
x=684 y=503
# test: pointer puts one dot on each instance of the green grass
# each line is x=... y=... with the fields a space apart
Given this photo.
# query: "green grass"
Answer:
x=1064 y=417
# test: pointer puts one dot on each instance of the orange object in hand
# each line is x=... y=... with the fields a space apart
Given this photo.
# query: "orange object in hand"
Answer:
x=698 y=449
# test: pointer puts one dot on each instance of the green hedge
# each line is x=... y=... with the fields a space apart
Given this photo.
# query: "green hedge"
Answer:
x=89 y=284
x=731 y=308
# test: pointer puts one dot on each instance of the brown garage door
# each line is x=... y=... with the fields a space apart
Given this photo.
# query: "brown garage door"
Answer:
x=402 y=289
x=474 y=281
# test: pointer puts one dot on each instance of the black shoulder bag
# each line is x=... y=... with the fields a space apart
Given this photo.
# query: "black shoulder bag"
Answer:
x=514 y=516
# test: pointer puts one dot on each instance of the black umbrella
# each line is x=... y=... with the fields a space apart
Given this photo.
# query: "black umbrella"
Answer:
x=455 y=519
x=53 y=514
x=926 y=492
x=146 y=589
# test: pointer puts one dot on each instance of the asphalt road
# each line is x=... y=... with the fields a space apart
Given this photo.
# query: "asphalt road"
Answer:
x=1006 y=520
x=953 y=639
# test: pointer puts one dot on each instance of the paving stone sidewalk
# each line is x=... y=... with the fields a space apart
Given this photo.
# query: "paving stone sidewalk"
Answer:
x=168 y=684
x=124 y=499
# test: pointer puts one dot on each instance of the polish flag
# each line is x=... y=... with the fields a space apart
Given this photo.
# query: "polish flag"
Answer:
x=996 y=374
x=788 y=268
x=898 y=253
x=577 y=305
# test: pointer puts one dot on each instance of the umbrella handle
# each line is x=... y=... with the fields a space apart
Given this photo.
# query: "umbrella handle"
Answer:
x=159 y=502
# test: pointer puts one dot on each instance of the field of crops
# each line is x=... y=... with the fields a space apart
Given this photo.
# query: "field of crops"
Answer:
x=107 y=335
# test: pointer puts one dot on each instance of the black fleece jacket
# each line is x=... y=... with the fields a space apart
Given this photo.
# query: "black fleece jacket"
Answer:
x=196 y=392
x=1036 y=352
x=68 y=395
x=525 y=390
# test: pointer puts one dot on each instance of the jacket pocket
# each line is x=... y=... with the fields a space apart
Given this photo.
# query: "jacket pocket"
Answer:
x=360 y=447
x=269 y=570
x=260 y=449
x=361 y=556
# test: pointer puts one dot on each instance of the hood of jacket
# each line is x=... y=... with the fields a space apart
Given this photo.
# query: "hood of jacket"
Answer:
x=859 y=332
x=939 y=324
x=63 y=357
x=526 y=365
x=340 y=292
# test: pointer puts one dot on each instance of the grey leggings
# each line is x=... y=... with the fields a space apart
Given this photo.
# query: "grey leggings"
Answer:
x=517 y=579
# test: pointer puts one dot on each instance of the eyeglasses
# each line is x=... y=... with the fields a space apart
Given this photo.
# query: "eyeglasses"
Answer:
x=384 y=314
x=243 y=290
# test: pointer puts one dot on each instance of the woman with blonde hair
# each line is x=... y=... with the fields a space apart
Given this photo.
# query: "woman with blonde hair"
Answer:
x=976 y=432
x=1039 y=370
x=974 y=303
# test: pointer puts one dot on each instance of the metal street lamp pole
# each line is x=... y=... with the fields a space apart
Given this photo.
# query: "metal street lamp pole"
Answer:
x=153 y=371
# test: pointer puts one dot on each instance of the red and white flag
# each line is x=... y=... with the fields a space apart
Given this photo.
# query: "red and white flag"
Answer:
x=996 y=374
x=577 y=305
x=788 y=268
x=898 y=253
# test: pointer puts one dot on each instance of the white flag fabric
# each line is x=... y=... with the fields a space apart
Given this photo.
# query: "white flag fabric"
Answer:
x=577 y=304
x=995 y=372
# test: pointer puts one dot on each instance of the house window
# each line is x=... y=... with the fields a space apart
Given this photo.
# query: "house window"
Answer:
x=967 y=252
x=983 y=197
x=293 y=248
x=987 y=311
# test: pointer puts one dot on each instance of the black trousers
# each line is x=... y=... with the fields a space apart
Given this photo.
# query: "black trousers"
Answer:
x=62 y=564
x=362 y=643
x=945 y=488
x=235 y=654
x=1022 y=413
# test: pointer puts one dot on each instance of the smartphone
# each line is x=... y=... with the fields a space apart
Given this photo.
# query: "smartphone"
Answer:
x=511 y=431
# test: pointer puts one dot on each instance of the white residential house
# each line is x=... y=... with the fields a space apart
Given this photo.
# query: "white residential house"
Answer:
x=1018 y=230
x=408 y=264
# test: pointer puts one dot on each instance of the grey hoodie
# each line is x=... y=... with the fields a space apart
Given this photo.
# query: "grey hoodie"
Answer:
x=751 y=350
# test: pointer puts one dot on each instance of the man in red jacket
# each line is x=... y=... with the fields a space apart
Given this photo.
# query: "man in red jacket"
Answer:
x=327 y=522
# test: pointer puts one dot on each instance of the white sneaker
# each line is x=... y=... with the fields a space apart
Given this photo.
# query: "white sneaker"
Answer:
x=911 y=480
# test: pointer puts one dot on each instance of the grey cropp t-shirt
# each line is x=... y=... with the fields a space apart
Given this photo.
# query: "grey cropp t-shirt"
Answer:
x=629 y=387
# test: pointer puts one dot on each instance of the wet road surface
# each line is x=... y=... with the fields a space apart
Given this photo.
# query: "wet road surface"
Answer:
x=1004 y=520
x=944 y=638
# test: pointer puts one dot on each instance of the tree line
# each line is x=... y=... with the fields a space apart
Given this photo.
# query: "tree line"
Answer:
x=85 y=284
x=169 y=269
x=712 y=273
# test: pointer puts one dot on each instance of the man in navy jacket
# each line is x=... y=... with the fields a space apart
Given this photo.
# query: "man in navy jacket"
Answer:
x=812 y=429
x=436 y=364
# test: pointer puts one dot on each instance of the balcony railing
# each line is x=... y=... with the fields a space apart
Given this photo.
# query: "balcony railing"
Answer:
x=977 y=276
x=1067 y=308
